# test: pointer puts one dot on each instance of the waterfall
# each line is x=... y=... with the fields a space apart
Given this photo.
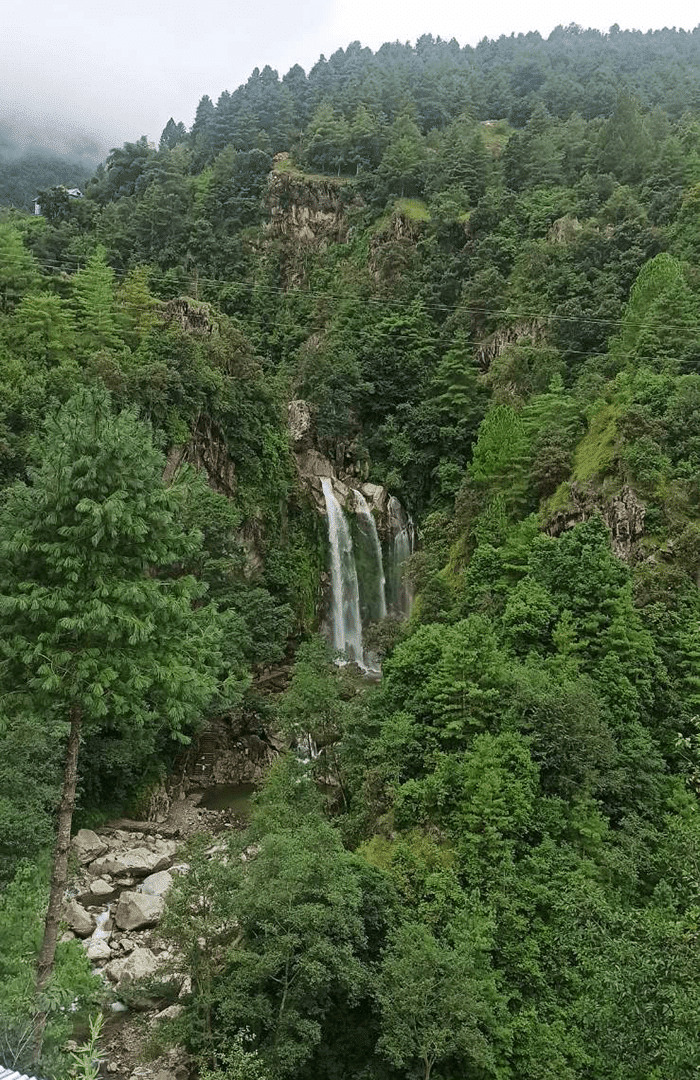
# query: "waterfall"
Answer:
x=346 y=626
x=306 y=748
x=402 y=548
x=99 y=933
x=377 y=604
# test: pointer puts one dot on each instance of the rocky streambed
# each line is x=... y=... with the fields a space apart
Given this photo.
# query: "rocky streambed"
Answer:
x=114 y=904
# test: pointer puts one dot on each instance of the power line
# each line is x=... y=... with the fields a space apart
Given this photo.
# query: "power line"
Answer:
x=388 y=302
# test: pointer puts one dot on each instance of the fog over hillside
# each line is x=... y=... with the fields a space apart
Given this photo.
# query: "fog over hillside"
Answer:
x=23 y=133
x=39 y=151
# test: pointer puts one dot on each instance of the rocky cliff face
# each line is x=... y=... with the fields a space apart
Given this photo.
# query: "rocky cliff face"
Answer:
x=623 y=513
x=205 y=450
x=530 y=331
x=306 y=215
x=392 y=248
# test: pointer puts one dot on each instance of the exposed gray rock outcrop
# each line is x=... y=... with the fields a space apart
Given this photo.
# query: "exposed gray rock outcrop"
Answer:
x=206 y=450
x=529 y=331
x=623 y=514
x=313 y=466
x=306 y=214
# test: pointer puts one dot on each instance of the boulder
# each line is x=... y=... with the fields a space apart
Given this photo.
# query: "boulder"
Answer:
x=137 y=910
x=101 y=888
x=139 y=861
x=88 y=845
x=78 y=919
x=140 y=964
x=157 y=884
x=313 y=463
x=99 y=950
x=171 y=1013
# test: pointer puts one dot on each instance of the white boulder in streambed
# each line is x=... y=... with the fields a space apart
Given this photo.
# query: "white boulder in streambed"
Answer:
x=88 y=845
x=137 y=910
x=101 y=889
x=140 y=964
x=139 y=861
x=98 y=950
x=79 y=920
x=156 y=884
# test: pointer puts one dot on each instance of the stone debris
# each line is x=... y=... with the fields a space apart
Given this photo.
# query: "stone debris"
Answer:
x=114 y=903
x=99 y=950
x=78 y=919
x=140 y=964
x=139 y=861
x=157 y=884
x=88 y=845
x=101 y=888
x=137 y=910
x=171 y=1013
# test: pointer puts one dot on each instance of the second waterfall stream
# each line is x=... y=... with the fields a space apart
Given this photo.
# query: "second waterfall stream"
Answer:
x=345 y=621
x=358 y=582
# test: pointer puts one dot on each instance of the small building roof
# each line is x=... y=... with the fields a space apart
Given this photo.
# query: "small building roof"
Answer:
x=10 y=1074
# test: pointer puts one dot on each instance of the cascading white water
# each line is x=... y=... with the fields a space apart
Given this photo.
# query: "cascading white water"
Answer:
x=403 y=546
x=99 y=933
x=346 y=625
x=365 y=513
x=306 y=750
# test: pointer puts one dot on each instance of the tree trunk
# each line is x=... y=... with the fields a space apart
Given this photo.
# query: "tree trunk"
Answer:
x=59 y=875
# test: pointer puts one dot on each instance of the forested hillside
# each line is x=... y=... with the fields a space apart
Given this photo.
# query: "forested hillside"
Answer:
x=34 y=156
x=475 y=272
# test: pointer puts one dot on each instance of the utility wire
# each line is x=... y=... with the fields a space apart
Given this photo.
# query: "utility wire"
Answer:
x=391 y=303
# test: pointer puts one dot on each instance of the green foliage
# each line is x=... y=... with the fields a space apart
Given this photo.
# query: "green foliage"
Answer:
x=94 y=302
x=481 y=273
x=276 y=939
x=74 y=990
x=237 y=1062
x=437 y=997
x=19 y=272
x=95 y=620
x=595 y=454
x=87 y=1057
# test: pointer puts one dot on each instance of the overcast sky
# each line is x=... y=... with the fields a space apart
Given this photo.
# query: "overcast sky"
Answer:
x=121 y=70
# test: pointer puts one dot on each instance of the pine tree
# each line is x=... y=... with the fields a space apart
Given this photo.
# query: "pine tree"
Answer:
x=172 y=134
x=94 y=300
x=19 y=272
x=45 y=328
x=98 y=630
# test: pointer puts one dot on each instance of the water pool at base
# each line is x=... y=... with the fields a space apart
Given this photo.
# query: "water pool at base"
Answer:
x=228 y=797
